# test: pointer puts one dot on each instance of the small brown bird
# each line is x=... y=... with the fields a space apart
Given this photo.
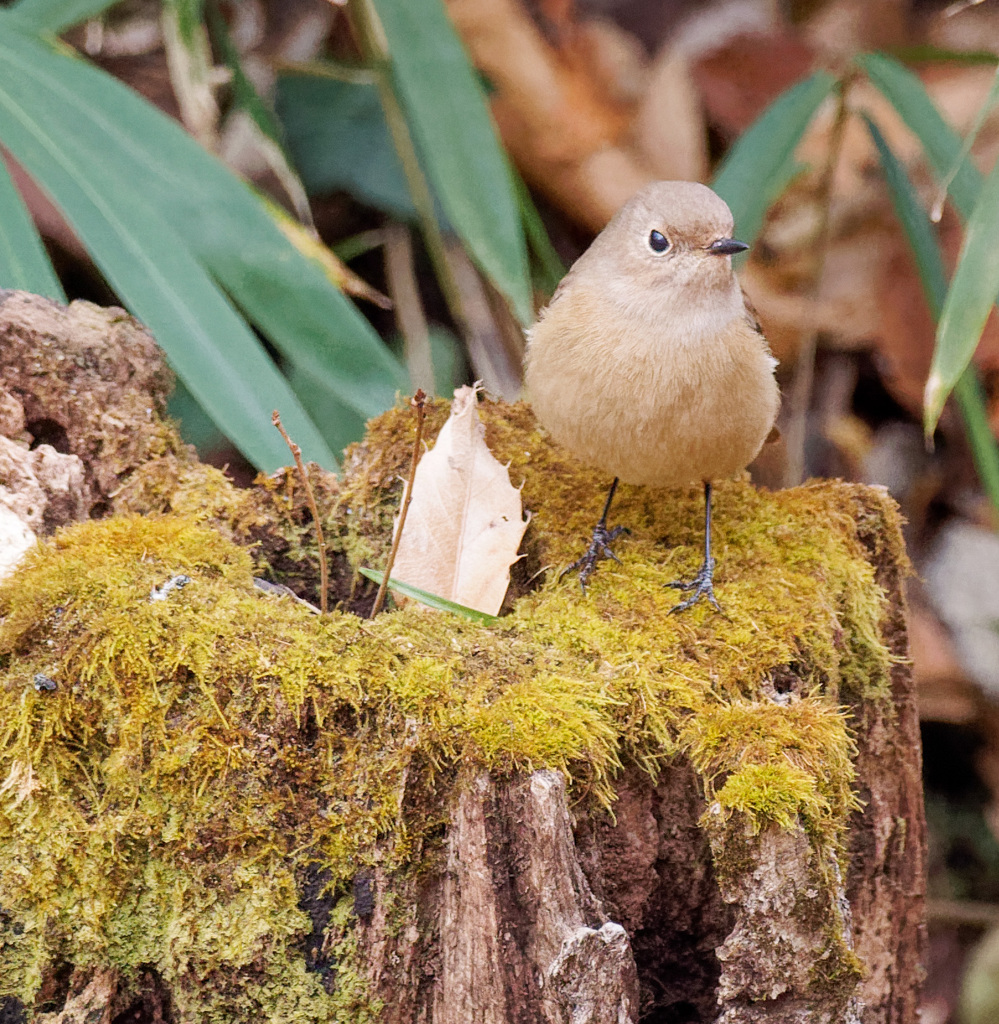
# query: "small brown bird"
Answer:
x=647 y=362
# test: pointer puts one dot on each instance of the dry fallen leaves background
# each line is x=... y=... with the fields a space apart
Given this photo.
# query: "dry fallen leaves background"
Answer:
x=592 y=99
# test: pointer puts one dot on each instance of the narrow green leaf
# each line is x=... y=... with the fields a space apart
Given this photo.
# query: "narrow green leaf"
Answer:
x=431 y=600
x=970 y=397
x=338 y=424
x=940 y=142
x=929 y=262
x=915 y=223
x=338 y=140
x=244 y=91
x=447 y=111
x=943 y=148
x=970 y=297
x=189 y=14
x=227 y=229
x=761 y=164
x=58 y=15
x=153 y=271
x=972 y=134
x=246 y=98
x=548 y=265
x=24 y=263
x=196 y=426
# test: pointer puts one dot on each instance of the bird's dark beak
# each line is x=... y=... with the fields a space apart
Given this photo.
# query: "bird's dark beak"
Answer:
x=727 y=247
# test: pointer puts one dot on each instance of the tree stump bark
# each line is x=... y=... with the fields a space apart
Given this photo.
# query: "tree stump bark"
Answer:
x=580 y=816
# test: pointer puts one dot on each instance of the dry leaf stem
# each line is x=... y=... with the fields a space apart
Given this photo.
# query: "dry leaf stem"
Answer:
x=418 y=402
x=410 y=318
x=296 y=452
x=799 y=392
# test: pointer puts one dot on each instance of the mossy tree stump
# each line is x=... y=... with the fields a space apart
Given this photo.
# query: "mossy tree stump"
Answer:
x=230 y=809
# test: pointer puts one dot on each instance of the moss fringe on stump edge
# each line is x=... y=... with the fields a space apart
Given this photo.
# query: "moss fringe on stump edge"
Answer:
x=203 y=754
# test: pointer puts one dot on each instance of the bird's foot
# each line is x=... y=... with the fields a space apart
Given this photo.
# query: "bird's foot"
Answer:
x=599 y=548
x=702 y=587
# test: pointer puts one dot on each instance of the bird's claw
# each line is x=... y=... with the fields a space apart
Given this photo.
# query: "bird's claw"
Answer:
x=702 y=587
x=599 y=548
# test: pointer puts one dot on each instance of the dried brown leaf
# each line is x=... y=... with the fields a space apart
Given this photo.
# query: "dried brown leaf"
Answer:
x=465 y=519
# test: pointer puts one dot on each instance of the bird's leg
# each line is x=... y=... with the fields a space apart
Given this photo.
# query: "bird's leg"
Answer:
x=701 y=584
x=599 y=546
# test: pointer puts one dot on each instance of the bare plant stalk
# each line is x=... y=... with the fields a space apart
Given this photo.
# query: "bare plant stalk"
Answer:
x=418 y=402
x=799 y=392
x=410 y=318
x=324 y=578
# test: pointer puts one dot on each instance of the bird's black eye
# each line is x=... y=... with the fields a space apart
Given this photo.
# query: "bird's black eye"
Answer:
x=658 y=242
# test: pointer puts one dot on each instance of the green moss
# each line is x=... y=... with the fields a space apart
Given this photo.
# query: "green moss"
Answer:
x=200 y=752
x=779 y=763
x=353 y=1002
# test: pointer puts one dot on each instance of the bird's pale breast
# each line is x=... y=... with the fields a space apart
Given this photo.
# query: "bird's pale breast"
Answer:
x=650 y=400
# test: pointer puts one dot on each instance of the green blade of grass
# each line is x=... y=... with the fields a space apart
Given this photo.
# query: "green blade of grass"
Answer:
x=112 y=131
x=446 y=108
x=432 y=600
x=929 y=263
x=271 y=142
x=927 y=53
x=548 y=265
x=24 y=263
x=761 y=164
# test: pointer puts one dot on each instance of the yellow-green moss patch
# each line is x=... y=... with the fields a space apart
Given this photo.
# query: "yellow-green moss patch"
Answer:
x=201 y=754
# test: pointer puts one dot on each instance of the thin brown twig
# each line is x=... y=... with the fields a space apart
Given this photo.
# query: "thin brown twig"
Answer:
x=313 y=508
x=418 y=402
x=799 y=392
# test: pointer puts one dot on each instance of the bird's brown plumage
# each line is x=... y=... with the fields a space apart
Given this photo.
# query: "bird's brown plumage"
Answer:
x=649 y=365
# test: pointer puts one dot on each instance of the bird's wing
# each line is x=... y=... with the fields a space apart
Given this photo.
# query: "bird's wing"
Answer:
x=753 y=319
x=563 y=285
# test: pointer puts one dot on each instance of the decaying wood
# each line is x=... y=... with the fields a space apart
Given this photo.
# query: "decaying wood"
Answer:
x=82 y=381
x=537 y=910
x=90 y=1000
x=521 y=933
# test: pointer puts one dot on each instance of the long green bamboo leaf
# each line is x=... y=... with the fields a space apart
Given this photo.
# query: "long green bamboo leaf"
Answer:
x=761 y=164
x=929 y=262
x=943 y=148
x=447 y=111
x=547 y=265
x=338 y=138
x=940 y=142
x=151 y=268
x=970 y=297
x=246 y=98
x=244 y=92
x=24 y=263
x=58 y=15
x=224 y=225
x=915 y=223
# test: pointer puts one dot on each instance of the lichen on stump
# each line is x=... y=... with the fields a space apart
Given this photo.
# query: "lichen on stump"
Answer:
x=240 y=811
